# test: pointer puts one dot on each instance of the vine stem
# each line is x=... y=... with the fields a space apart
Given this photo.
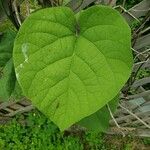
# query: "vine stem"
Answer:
x=124 y=2
x=141 y=64
x=79 y=5
x=16 y=11
x=141 y=53
x=116 y=123
x=27 y=7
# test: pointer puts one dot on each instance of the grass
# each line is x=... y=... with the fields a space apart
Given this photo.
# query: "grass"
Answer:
x=33 y=131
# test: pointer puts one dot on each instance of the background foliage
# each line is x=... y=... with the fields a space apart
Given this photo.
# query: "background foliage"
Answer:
x=33 y=131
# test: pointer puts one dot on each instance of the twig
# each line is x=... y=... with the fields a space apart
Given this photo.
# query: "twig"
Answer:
x=61 y=3
x=56 y=2
x=142 y=62
x=124 y=2
x=51 y=1
x=147 y=58
x=116 y=123
x=126 y=11
x=109 y=3
x=135 y=50
x=145 y=30
x=79 y=5
x=134 y=75
x=141 y=53
x=135 y=116
x=136 y=33
x=27 y=7
x=16 y=11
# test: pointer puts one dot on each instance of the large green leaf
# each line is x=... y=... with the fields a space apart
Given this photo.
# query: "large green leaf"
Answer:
x=99 y=121
x=6 y=46
x=7 y=81
x=69 y=67
x=8 y=86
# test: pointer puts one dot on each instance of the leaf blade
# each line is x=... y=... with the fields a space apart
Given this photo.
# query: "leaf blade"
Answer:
x=63 y=71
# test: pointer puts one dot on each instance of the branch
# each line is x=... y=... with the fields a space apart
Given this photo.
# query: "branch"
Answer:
x=124 y=2
x=116 y=123
x=27 y=7
x=141 y=53
x=79 y=5
x=137 y=32
x=16 y=11
x=134 y=75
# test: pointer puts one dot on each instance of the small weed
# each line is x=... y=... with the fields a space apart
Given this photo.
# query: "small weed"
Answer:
x=146 y=141
x=33 y=131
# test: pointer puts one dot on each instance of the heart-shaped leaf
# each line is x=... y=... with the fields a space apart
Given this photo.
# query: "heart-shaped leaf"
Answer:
x=71 y=67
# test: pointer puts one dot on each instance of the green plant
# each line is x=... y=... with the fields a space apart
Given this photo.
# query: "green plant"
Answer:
x=143 y=73
x=35 y=132
x=72 y=66
x=9 y=87
x=146 y=141
x=128 y=147
x=94 y=140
